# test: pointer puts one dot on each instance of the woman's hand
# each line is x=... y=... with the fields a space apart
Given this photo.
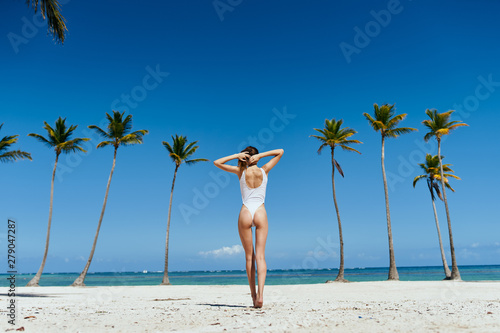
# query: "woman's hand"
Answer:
x=254 y=159
x=243 y=157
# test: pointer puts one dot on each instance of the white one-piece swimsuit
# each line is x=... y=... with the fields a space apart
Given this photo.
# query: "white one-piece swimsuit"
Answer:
x=253 y=198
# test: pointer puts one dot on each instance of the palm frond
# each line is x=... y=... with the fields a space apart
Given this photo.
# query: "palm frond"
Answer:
x=42 y=139
x=131 y=139
x=395 y=132
x=395 y=120
x=418 y=178
x=100 y=131
x=190 y=149
x=320 y=149
x=350 y=142
x=339 y=169
x=105 y=143
x=8 y=141
x=196 y=160
x=438 y=192
x=452 y=127
x=169 y=148
x=322 y=131
x=14 y=155
x=344 y=147
x=73 y=145
x=51 y=10
x=428 y=136
x=375 y=123
x=452 y=176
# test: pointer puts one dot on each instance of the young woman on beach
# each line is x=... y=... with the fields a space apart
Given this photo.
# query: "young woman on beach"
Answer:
x=253 y=183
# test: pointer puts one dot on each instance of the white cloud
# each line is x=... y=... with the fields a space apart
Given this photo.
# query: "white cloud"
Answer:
x=321 y=255
x=474 y=245
x=467 y=254
x=368 y=257
x=224 y=251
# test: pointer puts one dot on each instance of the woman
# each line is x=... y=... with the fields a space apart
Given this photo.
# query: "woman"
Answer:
x=253 y=183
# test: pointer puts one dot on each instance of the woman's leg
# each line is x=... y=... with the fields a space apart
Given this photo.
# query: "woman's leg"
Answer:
x=245 y=230
x=260 y=221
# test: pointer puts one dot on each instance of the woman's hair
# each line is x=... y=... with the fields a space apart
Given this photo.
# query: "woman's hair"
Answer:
x=251 y=151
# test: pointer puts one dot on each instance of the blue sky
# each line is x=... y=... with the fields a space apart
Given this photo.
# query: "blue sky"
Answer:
x=250 y=72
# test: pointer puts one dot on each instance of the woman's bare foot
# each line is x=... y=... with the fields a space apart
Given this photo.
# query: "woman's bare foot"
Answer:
x=254 y=298
x=258 y=302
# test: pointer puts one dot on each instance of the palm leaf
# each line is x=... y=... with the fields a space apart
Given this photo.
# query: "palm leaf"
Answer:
x=42 y=139
x=99 y=131
x=416 y=179
x=344 y=147
x=339 y=169
x=105 y=143
x=14 y=155
x=196 y=160
x=52 y=11
x=395 y=120
x=7 y=141
x=395 y=132
x=169 y=148
x=438 y=192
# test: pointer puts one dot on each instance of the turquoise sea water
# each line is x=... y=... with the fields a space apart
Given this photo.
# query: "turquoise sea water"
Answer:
x=274 y=277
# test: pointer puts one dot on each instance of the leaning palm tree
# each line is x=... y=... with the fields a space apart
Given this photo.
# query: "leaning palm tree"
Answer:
x=335 y=136
x=58 y=138
x=439 y=124
x=118 y=134
x=51 y=11
x=385 y=122
x=432 y=174
x=179 y=152
x=13 y=155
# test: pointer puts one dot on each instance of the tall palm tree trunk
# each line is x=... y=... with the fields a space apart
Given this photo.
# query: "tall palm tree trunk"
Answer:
x=393 y=271
x=447 y=272
x=165 y=280
x=455 y=274
x=34 y=281
x=79 y=282
x=340 y=276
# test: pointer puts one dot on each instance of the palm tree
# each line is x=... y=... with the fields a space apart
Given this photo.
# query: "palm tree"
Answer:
x=334 y=136
x=13 y=155
x=385 y=122
x=179 y=152
x=59 y=140
x=118 y=134
x=439 y=124
x=432 y=174
x=51 y=10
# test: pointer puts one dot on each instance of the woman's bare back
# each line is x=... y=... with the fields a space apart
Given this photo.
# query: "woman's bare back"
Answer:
x=253 y=177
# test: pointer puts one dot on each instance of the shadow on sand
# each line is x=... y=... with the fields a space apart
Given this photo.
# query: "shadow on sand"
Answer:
x=28 y=295
x=226 y=305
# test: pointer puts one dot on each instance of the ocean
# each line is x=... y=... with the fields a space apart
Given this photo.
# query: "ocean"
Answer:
x=274 y=277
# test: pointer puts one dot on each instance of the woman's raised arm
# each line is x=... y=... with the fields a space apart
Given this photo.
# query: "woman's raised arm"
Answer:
x=277 y=153
x=221 y=162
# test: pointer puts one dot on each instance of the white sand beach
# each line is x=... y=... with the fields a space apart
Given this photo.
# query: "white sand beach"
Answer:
x=437 y=306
